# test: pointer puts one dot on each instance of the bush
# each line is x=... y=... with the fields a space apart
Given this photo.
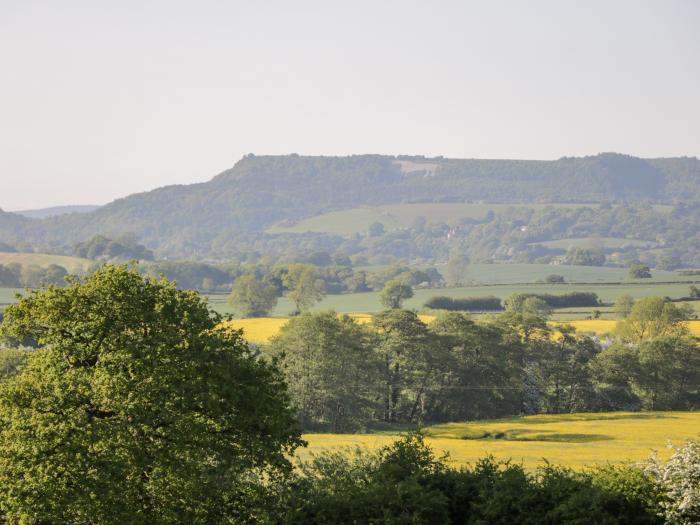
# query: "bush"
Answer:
x=468 y=304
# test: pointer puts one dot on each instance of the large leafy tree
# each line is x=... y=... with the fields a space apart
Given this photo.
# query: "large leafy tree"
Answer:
x=138 y=408
x=331 y=368
x=251 y=298
x=652 y=317
x=304 y=285
x=394 y=293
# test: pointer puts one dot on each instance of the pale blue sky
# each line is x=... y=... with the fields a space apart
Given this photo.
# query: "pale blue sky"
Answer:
x=101 y=99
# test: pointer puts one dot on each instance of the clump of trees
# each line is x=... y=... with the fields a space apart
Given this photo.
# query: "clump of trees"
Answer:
x=457 y=368
x=31 y=275
x=585 y=256
x=124 y=247
x=469 y=304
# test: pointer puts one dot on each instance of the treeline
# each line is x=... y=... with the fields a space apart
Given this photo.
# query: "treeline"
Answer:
x=125 y=247
x=344 y=376
x=15 y=275
x=493 y=304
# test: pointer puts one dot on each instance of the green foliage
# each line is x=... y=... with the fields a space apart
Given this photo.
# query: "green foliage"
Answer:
x=395 y=292
x=456 y=270
x=250 y=298
x=639 y=271
x=331 y=370
x=304 y=285
x=405 y=483
x=623 y=306
x=474 y=304
x=585 y=256
x=125 y=247
x=136 y=409
x=652 y=317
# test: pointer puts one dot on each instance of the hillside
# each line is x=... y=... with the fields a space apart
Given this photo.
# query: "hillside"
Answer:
x=218 y=217
x=55 y=211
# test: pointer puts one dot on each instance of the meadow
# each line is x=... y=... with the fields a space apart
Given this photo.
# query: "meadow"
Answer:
x=573 y=440
x=393 y=216
x=368 y=302
x=72 y=264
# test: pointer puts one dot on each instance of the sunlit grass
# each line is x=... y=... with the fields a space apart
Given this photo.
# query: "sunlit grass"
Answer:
x=575 y=440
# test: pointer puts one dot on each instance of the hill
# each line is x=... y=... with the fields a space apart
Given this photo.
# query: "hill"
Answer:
x=228 y=214
x=55 y=211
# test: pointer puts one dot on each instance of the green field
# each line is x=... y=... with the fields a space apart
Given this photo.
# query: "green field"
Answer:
x=574 y=440
x=588 y=242
x=369 y=302
x=72 y=264
x=358 y=220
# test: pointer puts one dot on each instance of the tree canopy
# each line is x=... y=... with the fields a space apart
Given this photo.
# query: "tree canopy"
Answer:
x=137 y=408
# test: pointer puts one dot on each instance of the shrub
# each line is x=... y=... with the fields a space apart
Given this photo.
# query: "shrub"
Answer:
x=479 y=304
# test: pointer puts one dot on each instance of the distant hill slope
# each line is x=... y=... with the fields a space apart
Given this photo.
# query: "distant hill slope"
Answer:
x=72 y=264
x=259 y=191
x=54 y=211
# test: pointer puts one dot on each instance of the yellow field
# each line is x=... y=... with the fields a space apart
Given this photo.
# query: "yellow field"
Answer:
x=604 y=326
x=262 y=329
x=574 y=440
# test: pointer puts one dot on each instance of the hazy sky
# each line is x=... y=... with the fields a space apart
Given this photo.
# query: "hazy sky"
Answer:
x=101 y=99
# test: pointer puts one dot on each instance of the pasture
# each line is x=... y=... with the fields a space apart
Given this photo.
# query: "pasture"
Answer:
x=573 y=440
x=72 y=264
x=609 y=243
x=368 y=302
x=393 y=216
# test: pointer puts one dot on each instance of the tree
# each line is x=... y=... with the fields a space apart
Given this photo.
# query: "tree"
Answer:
x=331 y=369
x=555 y=279
x=639 y=271
x=305 y=288
x=376 y=229
x=694 y=292
x=585 y=256
x=138 y=408
x=623 y=306
x=652 y=317
x=395 y=292
x=409 y=364
x=456 y=270
x=250 y=298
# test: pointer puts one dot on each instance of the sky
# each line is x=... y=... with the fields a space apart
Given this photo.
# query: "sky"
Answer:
x=102 y=99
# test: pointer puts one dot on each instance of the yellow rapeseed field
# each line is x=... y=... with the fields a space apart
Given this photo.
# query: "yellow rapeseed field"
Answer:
x=604 y=326
x=574 y=440
x=262 y=329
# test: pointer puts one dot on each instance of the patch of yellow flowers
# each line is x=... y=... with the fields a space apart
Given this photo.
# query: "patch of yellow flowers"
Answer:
x=261 y=329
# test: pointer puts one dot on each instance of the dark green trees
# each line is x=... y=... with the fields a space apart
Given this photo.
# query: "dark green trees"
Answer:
x=137 y=409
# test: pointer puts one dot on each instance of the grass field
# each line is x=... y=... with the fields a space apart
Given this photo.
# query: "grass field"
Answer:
x=357 y=220
x=369 y=302
x=588 y=242
x=72 y=264
x=574 y=440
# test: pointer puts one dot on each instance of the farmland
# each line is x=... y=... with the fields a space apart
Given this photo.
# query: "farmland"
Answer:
x=368 y=302
x=72 y=264
x=262 y=329
x=574 y=440
x=586 y=242
x=393 y=216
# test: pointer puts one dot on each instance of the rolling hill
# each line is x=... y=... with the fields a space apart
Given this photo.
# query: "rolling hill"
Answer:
x=210 y=219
